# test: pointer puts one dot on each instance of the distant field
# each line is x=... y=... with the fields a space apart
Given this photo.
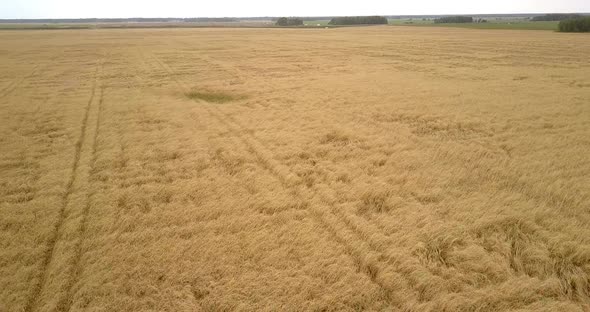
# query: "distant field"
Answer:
x=342 y=169
x=10 y=26
x=45 y=26
x=491 y=24
x=245 y=24
x=316 y=23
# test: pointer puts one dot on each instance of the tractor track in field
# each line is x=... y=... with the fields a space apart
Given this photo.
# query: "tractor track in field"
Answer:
x=532 y=192
x=66 y=302
x=340 y=227
x=34 y=302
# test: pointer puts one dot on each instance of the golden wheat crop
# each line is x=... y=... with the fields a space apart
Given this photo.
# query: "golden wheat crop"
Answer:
x=380 y=168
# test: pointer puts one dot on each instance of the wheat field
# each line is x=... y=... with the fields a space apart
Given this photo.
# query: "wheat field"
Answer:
x=351 y=169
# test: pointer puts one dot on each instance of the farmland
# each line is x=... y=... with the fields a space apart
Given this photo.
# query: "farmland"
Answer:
x=372 y=168
x=516 y=24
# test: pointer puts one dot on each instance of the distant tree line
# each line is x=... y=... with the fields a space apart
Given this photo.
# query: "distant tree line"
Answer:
x=581 y=24
x=454 y=19
x=316 y=18
x=285 y=21
x=554 y=17
x=358 y=20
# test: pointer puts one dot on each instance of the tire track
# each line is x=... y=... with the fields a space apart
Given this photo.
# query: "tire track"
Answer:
x=370 y=260
x=34 y=300
x=66 y=302
x=366 y=230
x=409 y=270
x=368 y=250
x=528 y=190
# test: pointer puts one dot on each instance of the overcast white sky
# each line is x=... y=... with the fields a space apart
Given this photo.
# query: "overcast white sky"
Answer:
x=238 y=8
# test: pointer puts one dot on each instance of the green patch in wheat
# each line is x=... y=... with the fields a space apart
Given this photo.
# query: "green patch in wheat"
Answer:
x=213 y=96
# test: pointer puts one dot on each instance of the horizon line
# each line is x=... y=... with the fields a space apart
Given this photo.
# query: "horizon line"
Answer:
x=302 y=16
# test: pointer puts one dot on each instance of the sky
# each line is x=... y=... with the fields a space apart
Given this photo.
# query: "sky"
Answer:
x=239 y=8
